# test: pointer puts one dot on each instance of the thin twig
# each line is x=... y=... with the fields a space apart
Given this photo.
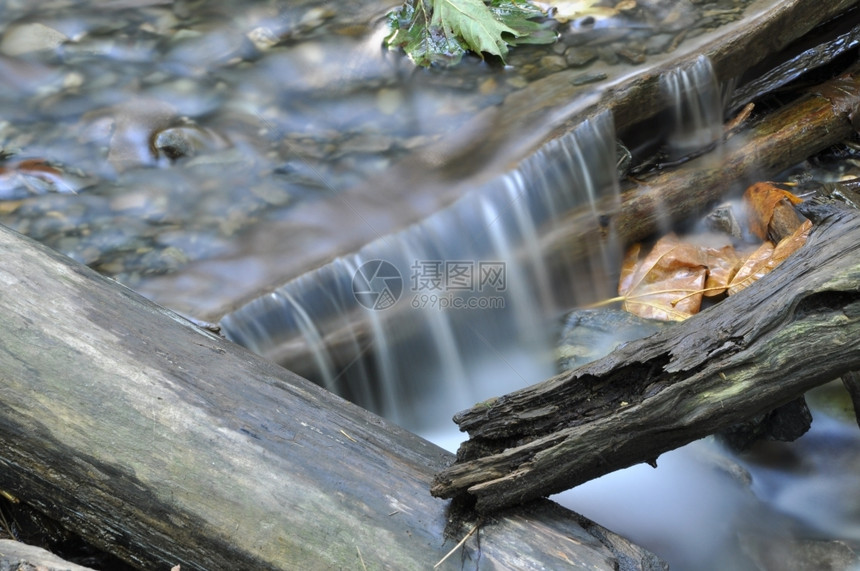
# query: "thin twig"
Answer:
x=7 y=526
x=458 y=546
x=361 y=559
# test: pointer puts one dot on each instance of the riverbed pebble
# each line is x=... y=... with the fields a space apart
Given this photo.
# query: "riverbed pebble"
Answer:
x=22 y=39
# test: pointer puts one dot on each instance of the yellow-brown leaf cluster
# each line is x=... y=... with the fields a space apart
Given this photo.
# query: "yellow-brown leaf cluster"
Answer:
x=670 y=281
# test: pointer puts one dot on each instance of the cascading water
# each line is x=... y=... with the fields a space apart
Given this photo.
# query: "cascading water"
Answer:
x=696 y=107
x=421 y=324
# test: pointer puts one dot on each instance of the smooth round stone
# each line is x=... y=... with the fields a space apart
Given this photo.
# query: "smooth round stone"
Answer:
x=28 y=38
x=186 y=141
x=552 y=63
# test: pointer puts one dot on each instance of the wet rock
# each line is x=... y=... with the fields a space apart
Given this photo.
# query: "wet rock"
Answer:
x=263 y=38
x=552 y=63
x=589 y=334
x=27 y=38
x=608 y=55
x=24 y=78
x=15 y=555
x=365 y=143
x=203 y=48
x=790 y=554
x=632 y=54
x=661 y=43
x=722 y=219
x=579 y=57
x=186 y=141
x=134 y=124
x=588 y=77
x=389 y=101
x=315 y=17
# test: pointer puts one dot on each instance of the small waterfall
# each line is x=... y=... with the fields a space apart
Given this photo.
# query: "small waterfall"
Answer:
x=695 y=116
x=696 y=106
x=452 y=310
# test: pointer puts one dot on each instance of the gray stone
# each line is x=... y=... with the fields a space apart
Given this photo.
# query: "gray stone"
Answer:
x=17 y=556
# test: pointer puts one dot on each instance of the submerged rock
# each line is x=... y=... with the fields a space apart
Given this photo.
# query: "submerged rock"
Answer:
x=798 y=554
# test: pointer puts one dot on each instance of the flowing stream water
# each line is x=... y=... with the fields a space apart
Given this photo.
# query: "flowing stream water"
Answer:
x=417 y=323
x=456 y=307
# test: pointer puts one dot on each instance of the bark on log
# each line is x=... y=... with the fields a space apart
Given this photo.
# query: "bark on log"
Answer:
x=851 y=381
x=165 y=445
x=796 y=328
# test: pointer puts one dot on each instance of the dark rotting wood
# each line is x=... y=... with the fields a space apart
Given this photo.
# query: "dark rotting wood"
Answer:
x=851 y=381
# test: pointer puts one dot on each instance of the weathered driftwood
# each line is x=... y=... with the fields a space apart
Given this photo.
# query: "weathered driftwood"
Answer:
x=165 y=445
x=796 y=328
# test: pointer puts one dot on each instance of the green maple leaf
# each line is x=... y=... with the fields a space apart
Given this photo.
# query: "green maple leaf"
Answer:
x=521 y=17
x=441 y=31
x=474 y=22
x=425 y=43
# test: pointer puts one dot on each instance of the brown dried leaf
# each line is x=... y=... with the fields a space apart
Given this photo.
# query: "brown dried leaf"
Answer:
x=767 y=257
x=754 y=267
x=722 y=265
x=761 y=200
x=791 y=244
x=666 y=284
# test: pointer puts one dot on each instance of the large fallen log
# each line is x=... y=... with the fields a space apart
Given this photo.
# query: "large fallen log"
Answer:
x=796 y=328
x=166 y=445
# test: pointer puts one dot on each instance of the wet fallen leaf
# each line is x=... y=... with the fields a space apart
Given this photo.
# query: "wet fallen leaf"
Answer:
x=441 y=31
x=723 y=264
x=670 y=282
x=667 y=283
x=790 y=244
x=767 y=257
x=764 y=203
x=753 y=268
x=32 y=176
